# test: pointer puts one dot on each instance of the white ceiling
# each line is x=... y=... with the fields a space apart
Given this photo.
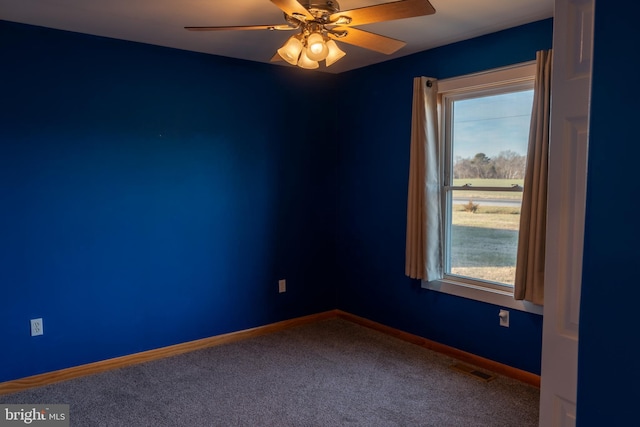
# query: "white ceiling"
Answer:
x=161 y=22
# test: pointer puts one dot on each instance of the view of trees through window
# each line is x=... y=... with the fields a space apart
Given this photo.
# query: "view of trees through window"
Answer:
x=489 y=138
x=506 y=165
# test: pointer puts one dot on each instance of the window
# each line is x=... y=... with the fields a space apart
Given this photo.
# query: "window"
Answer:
x=484 y=123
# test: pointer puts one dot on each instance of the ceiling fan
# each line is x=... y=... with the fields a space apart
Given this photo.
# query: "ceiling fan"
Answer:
x=321 y=22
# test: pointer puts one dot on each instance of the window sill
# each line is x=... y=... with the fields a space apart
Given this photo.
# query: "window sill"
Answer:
x=491 y=296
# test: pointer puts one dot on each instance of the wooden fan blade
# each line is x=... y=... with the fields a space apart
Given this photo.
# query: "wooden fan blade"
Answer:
x=242 y=27
x=293 y=8
x=276 y=58
x=368 y=40
x=386 y=12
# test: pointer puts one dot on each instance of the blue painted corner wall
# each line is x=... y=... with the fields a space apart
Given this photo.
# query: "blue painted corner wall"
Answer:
x=373 y=177
x=152 y=196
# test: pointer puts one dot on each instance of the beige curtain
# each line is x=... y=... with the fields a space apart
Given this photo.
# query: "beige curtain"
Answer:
x=529 y=282
x=424 y=225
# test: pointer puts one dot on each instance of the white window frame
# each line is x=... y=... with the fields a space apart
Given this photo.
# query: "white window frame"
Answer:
x=492 y=81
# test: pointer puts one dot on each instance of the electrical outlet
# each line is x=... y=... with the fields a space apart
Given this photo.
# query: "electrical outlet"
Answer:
x=36 y=327
x=282 y=285
x=504 y=318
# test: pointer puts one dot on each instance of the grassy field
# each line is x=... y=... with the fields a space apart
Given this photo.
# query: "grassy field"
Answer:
x=484 y=243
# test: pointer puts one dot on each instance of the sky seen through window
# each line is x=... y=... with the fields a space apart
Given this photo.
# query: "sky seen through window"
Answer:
x=492 y=124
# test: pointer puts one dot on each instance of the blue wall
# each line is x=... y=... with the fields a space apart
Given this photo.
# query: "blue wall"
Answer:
x=373 y=176
x=151 y=196
x=608 y=377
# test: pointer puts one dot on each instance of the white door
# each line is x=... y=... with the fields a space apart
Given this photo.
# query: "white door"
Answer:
x=570 y=99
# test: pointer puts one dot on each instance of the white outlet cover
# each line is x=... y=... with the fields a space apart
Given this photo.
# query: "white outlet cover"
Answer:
x=504 y=318
x=36 y=327
x=282 y=285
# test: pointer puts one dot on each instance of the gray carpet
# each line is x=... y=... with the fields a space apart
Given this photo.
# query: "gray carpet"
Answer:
x=330 y=373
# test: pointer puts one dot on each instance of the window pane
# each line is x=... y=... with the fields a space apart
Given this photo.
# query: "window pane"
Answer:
x=489 y=139
x=488 y=147
x=484 y=237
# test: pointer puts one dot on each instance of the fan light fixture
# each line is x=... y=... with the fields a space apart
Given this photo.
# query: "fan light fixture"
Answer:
x=290 y=52
x=317 y=49
x=306 y=62
x=306 y=52
x=335 y=53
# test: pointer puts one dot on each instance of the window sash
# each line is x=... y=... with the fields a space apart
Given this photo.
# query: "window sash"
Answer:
x=470 y=87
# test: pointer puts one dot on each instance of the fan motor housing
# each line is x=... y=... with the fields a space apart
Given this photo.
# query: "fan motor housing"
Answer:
x=321 y=9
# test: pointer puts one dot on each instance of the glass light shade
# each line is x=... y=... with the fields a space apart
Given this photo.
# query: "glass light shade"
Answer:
x=317 y=49
x=290 y=52
x=335 y=53
x=306 y=62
